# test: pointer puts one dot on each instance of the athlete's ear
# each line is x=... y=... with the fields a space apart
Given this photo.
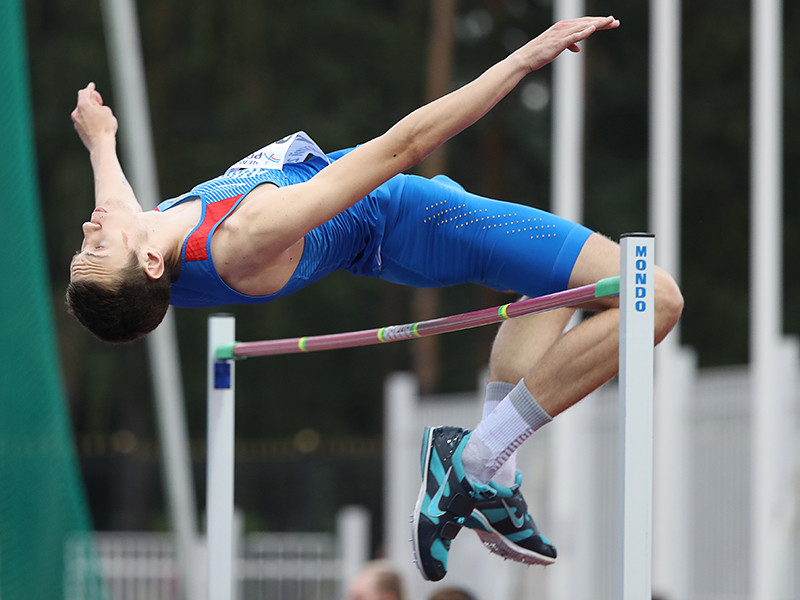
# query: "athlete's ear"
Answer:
x=153 y=263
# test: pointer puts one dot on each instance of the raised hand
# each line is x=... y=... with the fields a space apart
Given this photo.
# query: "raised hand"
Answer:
x=92 y=119
x=563 y=35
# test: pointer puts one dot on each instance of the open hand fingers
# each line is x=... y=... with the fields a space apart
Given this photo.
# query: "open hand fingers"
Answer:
x=576 y=30
x=585 y=23
x=564 y=35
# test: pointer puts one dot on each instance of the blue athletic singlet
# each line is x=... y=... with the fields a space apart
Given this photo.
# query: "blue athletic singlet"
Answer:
x=411 y=230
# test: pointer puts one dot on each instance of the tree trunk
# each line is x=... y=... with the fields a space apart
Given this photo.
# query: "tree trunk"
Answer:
x=425 y=302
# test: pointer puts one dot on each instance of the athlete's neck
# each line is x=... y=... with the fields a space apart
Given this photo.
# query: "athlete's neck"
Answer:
x=167 y=230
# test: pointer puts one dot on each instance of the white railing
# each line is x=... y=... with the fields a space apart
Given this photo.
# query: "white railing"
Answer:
x=302 y=566
x=274 y=566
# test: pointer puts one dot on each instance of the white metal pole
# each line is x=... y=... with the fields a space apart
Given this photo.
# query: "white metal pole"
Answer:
x=674 y=366
x=769 y=446
x=636 y=416
x=127 y=71
x=219 y=481
x=352 y=536
x=402 y=475
x=665 y=118
x=571 y=491
x=568 y=124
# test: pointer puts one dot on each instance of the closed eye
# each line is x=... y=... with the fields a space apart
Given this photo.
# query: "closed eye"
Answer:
x=79 y=252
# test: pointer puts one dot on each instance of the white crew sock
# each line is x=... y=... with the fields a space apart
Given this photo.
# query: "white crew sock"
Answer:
x=495 y=392
x=501 y=432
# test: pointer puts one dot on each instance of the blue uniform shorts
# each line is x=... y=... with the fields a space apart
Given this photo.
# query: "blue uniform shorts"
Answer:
x=438 y=234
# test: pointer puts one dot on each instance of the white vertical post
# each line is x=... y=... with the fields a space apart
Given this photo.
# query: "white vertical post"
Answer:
x=674 y=366
x=219 y=480
x=402 y=475
x=675 y=380
x=568 y=123
x=665 y=132
x=127 y=71
x=636 y=416
x=352 y=537
x=571 y=491
x=770 y=444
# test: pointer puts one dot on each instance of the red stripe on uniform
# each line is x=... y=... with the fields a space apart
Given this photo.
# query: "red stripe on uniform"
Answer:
x=197 y=245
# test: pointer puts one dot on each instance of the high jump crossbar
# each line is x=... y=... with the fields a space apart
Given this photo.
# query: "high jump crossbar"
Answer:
x=409 y=331
x=635 y=289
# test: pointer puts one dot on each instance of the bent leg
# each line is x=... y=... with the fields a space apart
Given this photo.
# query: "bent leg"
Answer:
x=587 y=356
x=561 y=368
x=520 y=343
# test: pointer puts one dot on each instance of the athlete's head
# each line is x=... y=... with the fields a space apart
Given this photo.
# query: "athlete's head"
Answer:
x=119 y=285
x=378 y=580
x=451 y=593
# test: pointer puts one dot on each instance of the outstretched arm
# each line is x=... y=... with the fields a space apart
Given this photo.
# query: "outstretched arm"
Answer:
x=427 y=128
x=97 y=127
x=295 y=210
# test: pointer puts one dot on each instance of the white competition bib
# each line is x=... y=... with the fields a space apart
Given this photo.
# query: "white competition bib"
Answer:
x=293 y=148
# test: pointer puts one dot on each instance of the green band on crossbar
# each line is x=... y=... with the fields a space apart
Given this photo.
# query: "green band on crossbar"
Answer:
x=607 y=287
x=225 y=351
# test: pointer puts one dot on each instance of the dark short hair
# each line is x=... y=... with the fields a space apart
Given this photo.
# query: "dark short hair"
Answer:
x=124 y=310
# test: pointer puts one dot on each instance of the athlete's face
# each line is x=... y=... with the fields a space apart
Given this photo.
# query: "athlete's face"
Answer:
x=108 y=238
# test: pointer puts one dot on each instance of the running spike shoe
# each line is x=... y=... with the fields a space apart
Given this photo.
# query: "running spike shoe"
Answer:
x=504 y=526
x=445 y=499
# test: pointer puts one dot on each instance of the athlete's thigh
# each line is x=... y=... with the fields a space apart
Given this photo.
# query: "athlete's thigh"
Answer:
x=599 y=258
x=443 y=235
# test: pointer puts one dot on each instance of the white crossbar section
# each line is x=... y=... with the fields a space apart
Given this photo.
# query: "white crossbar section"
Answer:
x=636 y=416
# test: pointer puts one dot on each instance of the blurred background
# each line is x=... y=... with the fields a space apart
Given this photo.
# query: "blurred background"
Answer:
x=223 y=80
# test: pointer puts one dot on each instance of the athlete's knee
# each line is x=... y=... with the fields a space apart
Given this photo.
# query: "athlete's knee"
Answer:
x=669 y=304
